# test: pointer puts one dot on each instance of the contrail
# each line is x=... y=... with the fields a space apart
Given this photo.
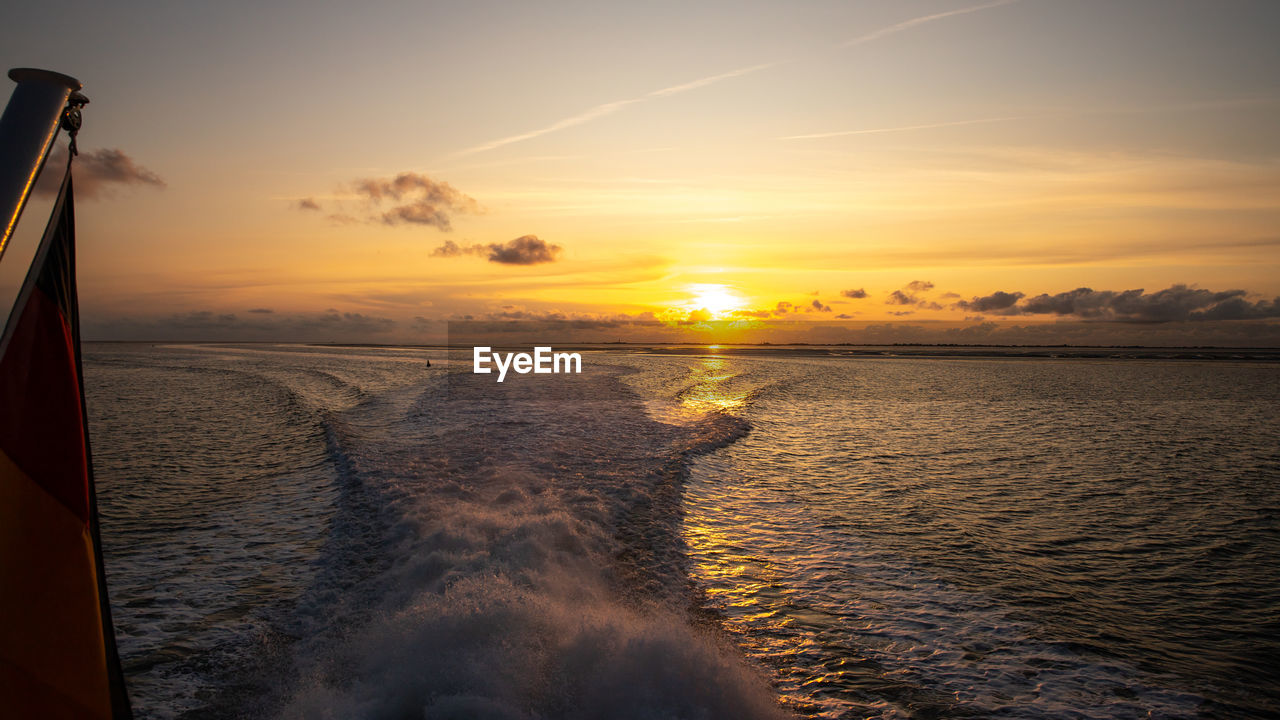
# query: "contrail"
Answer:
x=903 y=128
x=922 y=20
x=596 y=112
x=600 y=111
x=674 y=89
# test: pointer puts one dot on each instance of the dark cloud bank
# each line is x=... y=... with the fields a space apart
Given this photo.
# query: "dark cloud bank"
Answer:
x=1178 y=303
x=1080 y=334
x=260 y=324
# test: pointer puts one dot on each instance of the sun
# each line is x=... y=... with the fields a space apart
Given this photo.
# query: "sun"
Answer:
x=719 y=300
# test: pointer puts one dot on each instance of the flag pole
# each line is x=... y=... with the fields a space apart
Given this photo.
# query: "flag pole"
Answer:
x=27 y=129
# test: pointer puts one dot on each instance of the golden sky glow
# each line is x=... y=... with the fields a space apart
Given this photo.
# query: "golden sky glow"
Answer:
x=765 y=161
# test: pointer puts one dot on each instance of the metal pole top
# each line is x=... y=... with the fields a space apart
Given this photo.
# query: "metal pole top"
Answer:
x=27 y=129
x=48 y=77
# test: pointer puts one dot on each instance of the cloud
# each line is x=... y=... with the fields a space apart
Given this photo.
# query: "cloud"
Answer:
x=1237 y=308
x=907 y=24
x=995 y=302
x=418 y=200
x=420 y=212
x=202 y=319
x=261 y=311
x=1177 y=303
x=513 y=319
x=785 y=308
x=308 y=204
x=453 y=249
x=858 y=294
x=907 y=296
x=324 y=326
x=524 y=250
x=515 y=326
x=95 y=172
x=1080 y=334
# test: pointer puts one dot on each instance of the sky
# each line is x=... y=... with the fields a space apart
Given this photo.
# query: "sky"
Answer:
x=1007 y=171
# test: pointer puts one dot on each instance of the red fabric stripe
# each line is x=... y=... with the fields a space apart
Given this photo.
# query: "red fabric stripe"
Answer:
x=40 y=424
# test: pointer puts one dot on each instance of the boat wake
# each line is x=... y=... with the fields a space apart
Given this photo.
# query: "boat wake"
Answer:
x=506 y=554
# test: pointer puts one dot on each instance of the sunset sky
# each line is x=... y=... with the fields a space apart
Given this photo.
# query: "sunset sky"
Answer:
x=911 y=169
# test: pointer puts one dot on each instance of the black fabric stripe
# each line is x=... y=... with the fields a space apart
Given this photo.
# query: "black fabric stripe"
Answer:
x=57 y=278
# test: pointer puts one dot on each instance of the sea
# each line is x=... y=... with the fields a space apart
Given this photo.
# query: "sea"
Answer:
x=298 y=531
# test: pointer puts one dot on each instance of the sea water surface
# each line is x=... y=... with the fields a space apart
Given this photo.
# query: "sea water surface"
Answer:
x=312 y=532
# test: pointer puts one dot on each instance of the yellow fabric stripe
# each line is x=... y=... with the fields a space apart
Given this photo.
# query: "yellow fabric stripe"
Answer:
x=52 y=656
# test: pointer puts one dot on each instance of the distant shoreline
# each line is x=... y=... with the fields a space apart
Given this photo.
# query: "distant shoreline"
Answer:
x=1264 y=354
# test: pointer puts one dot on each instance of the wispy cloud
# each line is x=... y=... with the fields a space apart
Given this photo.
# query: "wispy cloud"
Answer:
x=908 y=24
x=413 y=199
x=610 y=108
x=97 y=172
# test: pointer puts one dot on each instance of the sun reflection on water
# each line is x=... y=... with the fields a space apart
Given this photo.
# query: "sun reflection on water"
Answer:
x=712 y=389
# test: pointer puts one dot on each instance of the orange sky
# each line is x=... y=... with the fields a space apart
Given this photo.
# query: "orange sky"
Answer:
x=728 y=160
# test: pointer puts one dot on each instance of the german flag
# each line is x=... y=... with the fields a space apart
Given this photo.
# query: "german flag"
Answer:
x=57 y=646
